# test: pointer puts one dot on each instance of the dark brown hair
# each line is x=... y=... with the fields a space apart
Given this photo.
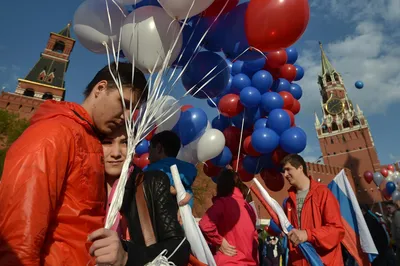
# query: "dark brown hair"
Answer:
x=125 y=71
x=169 y=141
x=296 y=161
x=227 y=180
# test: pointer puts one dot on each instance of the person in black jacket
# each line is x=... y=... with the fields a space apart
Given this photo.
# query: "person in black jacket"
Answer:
x=109 y=250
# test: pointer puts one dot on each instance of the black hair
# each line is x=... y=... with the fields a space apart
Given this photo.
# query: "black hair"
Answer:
x=227 y=180
x=169 y=141
x=125 y=72
x=296 y=161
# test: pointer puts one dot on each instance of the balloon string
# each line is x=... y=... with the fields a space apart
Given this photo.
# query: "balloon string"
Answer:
x=240 y=144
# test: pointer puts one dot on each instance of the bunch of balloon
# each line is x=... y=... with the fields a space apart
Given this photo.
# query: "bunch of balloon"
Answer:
x=388 y=181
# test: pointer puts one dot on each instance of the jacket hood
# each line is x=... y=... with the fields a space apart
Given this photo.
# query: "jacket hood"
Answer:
x=187 y=170
x=51 y=109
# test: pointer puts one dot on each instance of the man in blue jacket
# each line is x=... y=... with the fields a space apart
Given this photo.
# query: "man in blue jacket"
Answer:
x=164 y=147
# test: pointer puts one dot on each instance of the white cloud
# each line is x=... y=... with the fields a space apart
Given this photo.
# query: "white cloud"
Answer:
x=369 y=55
x=394 y=158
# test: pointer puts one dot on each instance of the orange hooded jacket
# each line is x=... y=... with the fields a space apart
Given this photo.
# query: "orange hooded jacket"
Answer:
x=52 y=192
x=321 y=219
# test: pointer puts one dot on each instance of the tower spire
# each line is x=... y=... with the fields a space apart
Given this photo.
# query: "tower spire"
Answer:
x=327 y=67
x=66 y=31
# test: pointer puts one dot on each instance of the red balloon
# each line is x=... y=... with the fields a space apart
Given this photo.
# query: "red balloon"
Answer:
x=273 y=71
x=210 y=169
x=248 y=148
x=243 y=174
x=277 y=156
x=276 y=59
x=296 y=107
x=136 y=160
x=271 y=231
x=143 y=160
x=234 y=161
x=232 y=139
x=368 y=176
x=288 y=100
x=151 y=134
x=246 y=133
x=291 y=117
x=288 y=72
x=273 y=179
x=136 y=114
x=216 y=7
x=384 y=172
x=230 y=105
x=185 y=107
x=385 y=194
x=283 y=23
x=390 y=167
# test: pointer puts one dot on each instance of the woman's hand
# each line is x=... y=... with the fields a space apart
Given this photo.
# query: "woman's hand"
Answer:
x=107 y=248
x=227 y=249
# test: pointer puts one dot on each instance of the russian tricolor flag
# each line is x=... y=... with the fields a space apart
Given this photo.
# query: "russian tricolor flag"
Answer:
x=357 y=239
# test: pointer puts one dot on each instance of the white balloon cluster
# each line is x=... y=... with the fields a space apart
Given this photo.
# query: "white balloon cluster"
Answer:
x=147 y=36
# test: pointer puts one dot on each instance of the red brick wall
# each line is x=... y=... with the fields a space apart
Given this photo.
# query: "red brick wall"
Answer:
x=22 y=105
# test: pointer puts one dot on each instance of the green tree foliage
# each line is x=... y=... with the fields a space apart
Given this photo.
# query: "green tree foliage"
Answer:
x=11 y=127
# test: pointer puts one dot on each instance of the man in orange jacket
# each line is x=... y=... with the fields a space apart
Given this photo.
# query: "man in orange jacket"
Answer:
x=52 y=194
x=314 y=211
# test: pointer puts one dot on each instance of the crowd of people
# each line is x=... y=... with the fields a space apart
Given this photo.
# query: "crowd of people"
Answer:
x=61 y=174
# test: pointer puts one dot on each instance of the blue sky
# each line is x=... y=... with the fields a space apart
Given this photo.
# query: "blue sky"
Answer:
x=360 y=38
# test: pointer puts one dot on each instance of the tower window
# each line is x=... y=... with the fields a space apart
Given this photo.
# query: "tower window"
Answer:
x=334 y=126
x=47 y=96
x=328 y=78
x=356 y=121
x=59 y=47
x=29 y=93
x=343 y=138
x=332 y=141
x=346 y=124
x=347 y=150
x=337 y=77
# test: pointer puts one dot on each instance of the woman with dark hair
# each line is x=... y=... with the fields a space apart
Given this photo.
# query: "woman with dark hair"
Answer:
x=229 y=224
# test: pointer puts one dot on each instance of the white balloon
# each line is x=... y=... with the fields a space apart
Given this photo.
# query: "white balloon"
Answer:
x=148 y=34
x=210 y=145
x=92 y=27
x=179 y=9
x=128 y=2
x=168 y=108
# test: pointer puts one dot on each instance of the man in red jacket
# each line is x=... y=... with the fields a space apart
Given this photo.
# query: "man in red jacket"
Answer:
x=52 y=194
x=314 y=212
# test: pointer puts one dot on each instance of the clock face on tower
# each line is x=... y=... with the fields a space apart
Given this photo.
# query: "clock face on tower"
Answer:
x=334 y=106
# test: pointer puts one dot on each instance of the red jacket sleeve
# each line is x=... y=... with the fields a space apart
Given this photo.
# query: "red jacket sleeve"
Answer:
x=33 y=177
x=208 y=223
x=332 y=232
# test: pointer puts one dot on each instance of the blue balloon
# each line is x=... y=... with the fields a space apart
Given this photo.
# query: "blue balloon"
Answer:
x=239 y=82
x=142 y=147
x=252 y=66
x=237 y=67
x=274 y=227
x=199 y=67
x=224 y=158
x=262 y=80
x=213 y=103
x=146 y=3
x=260 y=123
x=359 y=85
x=264 y=140
x=278 y=121
x=293 y=140
x=192 y=124
x=221 y=122
x=299 y=73
x=213 y=40
x=296 y=91
x=390 y=187
x=292 y=55
x=271 y=101
x=250 y=116
x=234 y=35
x=191 y=38
x=252 y=164
x=230 y=64
x=228 y=87
x=250 y=97
x=281 y=85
